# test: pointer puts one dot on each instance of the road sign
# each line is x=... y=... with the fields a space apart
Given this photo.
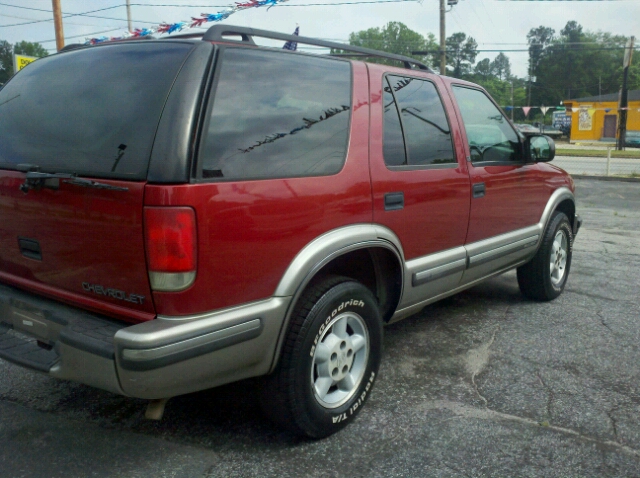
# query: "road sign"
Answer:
x=20 y=61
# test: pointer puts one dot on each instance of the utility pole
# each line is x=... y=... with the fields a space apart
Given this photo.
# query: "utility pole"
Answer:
x=529 y=100
x=600 y=89
x=129 y=16
x=57 y=21
x=443 y=42
x=512 y=107
x=624 y=103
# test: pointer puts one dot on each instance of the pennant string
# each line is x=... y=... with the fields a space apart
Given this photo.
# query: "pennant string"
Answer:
x=169 y=28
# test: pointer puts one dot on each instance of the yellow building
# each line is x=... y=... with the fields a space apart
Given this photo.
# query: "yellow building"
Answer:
x=595 y=118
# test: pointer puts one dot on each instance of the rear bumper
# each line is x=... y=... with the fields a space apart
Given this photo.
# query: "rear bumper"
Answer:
x=156 y=359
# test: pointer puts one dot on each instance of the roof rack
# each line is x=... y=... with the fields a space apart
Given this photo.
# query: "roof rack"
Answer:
x=183 y=36
x=219 y=32
x=72 y=46
x=75 y=46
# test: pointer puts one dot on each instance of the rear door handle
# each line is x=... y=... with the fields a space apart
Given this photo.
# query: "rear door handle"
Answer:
x=393 y=201
x=30 y=248
x=479 y=190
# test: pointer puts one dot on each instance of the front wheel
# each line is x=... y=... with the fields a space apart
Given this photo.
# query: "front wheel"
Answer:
x=544 y=277
x=329 y=360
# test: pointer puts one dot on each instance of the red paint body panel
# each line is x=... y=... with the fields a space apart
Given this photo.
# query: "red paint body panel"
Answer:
x=436 y=209
x=516 y=195
x=250 y=231
x=86 y=236
x=515 y=198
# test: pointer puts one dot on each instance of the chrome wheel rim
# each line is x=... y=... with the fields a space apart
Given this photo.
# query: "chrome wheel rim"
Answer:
x=339 y=360
x=558 y=258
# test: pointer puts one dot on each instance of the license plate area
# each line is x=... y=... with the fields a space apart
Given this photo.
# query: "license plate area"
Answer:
x=31 y=321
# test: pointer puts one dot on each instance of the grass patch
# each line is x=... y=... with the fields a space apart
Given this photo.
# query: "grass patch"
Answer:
x=598 y=153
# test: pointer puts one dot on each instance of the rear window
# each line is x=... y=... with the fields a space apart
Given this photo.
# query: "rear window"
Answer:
x=93 y=112
x=277 y=114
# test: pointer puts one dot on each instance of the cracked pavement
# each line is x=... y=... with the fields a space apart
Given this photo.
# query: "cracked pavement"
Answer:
x=485 y=383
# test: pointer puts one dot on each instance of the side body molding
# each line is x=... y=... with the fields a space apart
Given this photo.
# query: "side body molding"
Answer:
x=436 y=276
x=425 y=279
x=326 y=247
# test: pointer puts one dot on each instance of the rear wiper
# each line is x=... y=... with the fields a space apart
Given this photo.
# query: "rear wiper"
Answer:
x=87 y=183
x=37 y=180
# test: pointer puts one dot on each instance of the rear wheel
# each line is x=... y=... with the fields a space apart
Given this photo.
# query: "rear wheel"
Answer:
x=544 y=277
x=329 y=360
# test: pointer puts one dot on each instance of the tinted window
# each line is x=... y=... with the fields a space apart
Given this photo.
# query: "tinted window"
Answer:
x=93 y=111
x=277 y=114
x=490 y=136
x=424 y=123
x=393 y=143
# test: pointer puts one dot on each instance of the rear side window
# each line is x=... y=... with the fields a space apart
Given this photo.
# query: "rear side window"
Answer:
x=416 y=130
x=277 y=114
x=92 y=111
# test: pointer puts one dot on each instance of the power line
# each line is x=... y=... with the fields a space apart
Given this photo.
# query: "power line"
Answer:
x=356 y=2
x=86 y=14
x=68 y=15
x=66 y=23
x=563 y=0
x=83 y=35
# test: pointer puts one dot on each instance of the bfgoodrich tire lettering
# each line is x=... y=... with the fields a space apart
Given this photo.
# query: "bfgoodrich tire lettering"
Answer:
x=544 y=277
x=329 y=361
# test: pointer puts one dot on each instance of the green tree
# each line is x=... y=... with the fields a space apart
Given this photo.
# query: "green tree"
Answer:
x=6 y=61
x=30 y=49
x=461 y=54
x=501 y=66
x=23 y=48
x=577 y=63
x=538 y=39
x=483 y=69
x=633 y=82
x=395 y=37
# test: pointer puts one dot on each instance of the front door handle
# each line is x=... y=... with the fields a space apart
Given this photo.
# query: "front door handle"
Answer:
x=479 y=190
x=393 y=201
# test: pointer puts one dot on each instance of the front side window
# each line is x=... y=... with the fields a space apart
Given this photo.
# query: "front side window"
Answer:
x=491 y=138
x=416 y=131
x=277 y=114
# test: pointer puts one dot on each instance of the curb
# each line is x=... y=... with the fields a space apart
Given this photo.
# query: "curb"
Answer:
x=606 y=178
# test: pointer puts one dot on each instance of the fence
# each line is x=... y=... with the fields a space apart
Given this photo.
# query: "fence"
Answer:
x=604 y=165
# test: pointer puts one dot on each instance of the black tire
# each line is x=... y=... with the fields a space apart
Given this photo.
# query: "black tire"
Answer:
x=536 y=278
x=289 y=395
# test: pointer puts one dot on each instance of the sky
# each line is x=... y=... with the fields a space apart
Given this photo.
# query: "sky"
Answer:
x=494 y=24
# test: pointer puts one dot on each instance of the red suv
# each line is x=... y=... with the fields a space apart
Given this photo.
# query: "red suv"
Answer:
x=180 y=214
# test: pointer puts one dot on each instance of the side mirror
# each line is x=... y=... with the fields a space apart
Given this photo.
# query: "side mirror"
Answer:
x=539 y=148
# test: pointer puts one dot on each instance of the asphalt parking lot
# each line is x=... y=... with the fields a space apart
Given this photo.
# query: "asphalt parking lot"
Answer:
x=485 y=383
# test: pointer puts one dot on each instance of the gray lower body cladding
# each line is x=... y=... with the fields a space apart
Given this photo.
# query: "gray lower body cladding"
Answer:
x=157 y=359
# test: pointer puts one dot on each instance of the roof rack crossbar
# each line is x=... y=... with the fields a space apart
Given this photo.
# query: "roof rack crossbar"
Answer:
x=218 y=32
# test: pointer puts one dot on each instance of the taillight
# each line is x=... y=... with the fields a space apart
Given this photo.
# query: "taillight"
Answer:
x=170 y=243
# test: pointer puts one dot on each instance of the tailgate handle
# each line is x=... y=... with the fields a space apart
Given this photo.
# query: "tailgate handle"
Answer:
x=393 y=201
x=30 y=248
